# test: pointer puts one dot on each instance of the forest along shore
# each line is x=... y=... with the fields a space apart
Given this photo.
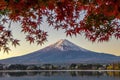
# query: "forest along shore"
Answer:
x=60 y=67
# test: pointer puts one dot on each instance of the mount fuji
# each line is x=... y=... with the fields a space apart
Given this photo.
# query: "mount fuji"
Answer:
x=62 y=51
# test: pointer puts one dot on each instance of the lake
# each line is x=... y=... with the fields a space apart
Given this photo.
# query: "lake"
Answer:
x=61 y=75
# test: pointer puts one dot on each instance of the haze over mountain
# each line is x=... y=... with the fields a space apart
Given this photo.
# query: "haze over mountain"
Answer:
x=62 y=51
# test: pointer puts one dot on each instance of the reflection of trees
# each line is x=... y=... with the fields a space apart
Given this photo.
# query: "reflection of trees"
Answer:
x=57 y=73
x=31 y=73
x=115 y=73
x=86 y=73
x=17 y=74
x=1 y=74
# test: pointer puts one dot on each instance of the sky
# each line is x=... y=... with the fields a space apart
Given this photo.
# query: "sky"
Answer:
x=110 y=47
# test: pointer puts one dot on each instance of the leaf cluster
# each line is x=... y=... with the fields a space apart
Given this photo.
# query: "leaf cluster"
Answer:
x=100 y=18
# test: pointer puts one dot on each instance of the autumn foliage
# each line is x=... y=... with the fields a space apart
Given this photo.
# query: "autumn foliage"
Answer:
x=100 y=19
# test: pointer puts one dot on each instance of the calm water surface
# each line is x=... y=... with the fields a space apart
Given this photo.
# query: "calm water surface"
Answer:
x=59 y=75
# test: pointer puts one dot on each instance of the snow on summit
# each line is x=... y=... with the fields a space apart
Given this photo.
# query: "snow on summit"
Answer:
x=65 y=45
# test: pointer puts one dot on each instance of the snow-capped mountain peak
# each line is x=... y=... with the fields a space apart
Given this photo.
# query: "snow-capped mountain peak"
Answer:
x=65 y=45
x=62 y=51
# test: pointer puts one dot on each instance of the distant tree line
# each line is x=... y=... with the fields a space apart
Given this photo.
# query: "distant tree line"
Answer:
x=114 y=66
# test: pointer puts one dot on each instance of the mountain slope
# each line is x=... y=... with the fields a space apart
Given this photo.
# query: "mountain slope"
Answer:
x=63 y=51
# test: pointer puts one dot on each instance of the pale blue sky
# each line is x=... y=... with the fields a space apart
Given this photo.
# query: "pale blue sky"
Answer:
x=112 y=47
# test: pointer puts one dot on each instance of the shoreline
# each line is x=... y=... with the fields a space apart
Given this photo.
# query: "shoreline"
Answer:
x=59 y=70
